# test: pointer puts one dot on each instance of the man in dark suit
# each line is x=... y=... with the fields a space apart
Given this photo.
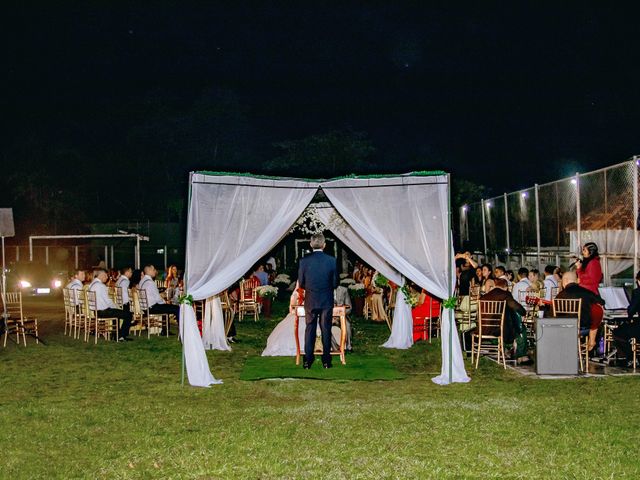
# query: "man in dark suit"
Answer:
x=318 y=276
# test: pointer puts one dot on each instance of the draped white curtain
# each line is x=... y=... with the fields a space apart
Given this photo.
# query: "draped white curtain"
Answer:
x=404 y=219
x=213 y=336
x=402 y=325
x=233 y=221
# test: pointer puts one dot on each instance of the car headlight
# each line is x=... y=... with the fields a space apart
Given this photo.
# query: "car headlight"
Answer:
x=57 y=284
x=24 y=284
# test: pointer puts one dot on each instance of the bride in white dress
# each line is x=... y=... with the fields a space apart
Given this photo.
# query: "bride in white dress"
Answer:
x=281 y=342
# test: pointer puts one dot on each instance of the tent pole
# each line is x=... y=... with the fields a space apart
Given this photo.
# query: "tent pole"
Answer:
x=635 y=214
x=186 y=278
x=449 y=273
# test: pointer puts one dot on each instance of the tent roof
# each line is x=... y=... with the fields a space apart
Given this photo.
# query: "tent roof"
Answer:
x=421 y=173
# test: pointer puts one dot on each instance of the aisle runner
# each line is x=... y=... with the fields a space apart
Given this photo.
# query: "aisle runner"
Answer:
x=358 y=367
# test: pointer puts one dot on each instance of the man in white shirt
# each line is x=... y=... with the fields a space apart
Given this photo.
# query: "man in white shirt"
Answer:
x=105 y=306
x=550 y=281
x=157 y=305
x=501 y=272
x=75 y=285
x=123 y=283
x=523 y=284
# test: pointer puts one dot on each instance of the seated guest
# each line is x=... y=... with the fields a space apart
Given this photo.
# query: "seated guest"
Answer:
x=76 y=284
x=501 y=272
x=105 y=306
x=487 y=282
x=513 y=312
x=341 y=297
x=123 y=283
x=550 y=282
x=534 y=279
x=557 y=274
x=522 y=285
x=156 y=304
x=588 y=324
x=261 y=275
x=630 y=328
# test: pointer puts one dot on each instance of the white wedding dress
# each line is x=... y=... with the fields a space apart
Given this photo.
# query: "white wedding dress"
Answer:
x=282 y=343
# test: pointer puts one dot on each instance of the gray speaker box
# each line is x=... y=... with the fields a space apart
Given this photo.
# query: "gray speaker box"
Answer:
x=6 y=223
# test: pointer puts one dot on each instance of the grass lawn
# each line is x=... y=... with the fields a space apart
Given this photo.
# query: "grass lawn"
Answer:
x=75 y=410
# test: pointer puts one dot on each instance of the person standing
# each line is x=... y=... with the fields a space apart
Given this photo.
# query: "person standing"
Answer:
x=318 y=276
x=589 y=273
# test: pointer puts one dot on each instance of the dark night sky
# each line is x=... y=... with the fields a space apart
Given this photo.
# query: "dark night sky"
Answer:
x=505 y=95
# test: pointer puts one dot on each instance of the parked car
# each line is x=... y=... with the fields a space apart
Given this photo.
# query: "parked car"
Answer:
x=32 y=278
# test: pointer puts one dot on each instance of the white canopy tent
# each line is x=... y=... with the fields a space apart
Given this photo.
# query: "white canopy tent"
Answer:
x=400 y=224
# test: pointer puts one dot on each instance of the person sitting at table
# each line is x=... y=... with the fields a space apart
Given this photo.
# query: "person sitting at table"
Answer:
x=630 y=328
x=123 y=283
x=105 y=306
x=512 y=317
x=589 y=324
x=77 y=280
x=501 y=272
x=522 y=285
x=487 y=282
x=157 y=306
x=341 y=297
x=534 y=280
x=550 y=282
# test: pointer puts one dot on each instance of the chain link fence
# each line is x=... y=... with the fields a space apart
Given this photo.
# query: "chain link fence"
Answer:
x=548 y=223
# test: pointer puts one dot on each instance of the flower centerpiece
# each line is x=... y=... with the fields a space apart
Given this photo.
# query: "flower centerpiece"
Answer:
x=357 y=292
x=267 y=293
x=282 y=281
x=346 y=282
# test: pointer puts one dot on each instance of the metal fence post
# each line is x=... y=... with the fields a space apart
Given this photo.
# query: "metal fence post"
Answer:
x=578 y=221
x=76 y=249
x=635 y=215
x=537 y=225
x=484 y=228
x=506 y=223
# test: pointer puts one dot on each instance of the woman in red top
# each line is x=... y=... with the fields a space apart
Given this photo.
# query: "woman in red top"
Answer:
x=589 y=273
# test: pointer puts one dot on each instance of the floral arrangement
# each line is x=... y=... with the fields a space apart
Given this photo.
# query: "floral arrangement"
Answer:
x=282 y=279
x=267 y=291
x=380 y=280
x=309 y=222
x=343 y=276
x=357 y=290
x=410 y=298
x=450 y=303
x=188 y=299
x=347 y=281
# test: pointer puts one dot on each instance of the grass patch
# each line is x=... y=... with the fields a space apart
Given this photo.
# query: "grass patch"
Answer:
x=72 y=410
x=358 y=367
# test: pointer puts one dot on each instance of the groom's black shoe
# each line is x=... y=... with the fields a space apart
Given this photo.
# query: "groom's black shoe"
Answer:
x=307 y=365
x=326 y=365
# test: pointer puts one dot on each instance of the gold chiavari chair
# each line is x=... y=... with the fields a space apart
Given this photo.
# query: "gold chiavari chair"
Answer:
x=15 y=320
x=248 y=299
x=102 y=326
x=69 y=311
x=154 y=321
x=488 y=336
x=572 y=306
x=227 y=310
